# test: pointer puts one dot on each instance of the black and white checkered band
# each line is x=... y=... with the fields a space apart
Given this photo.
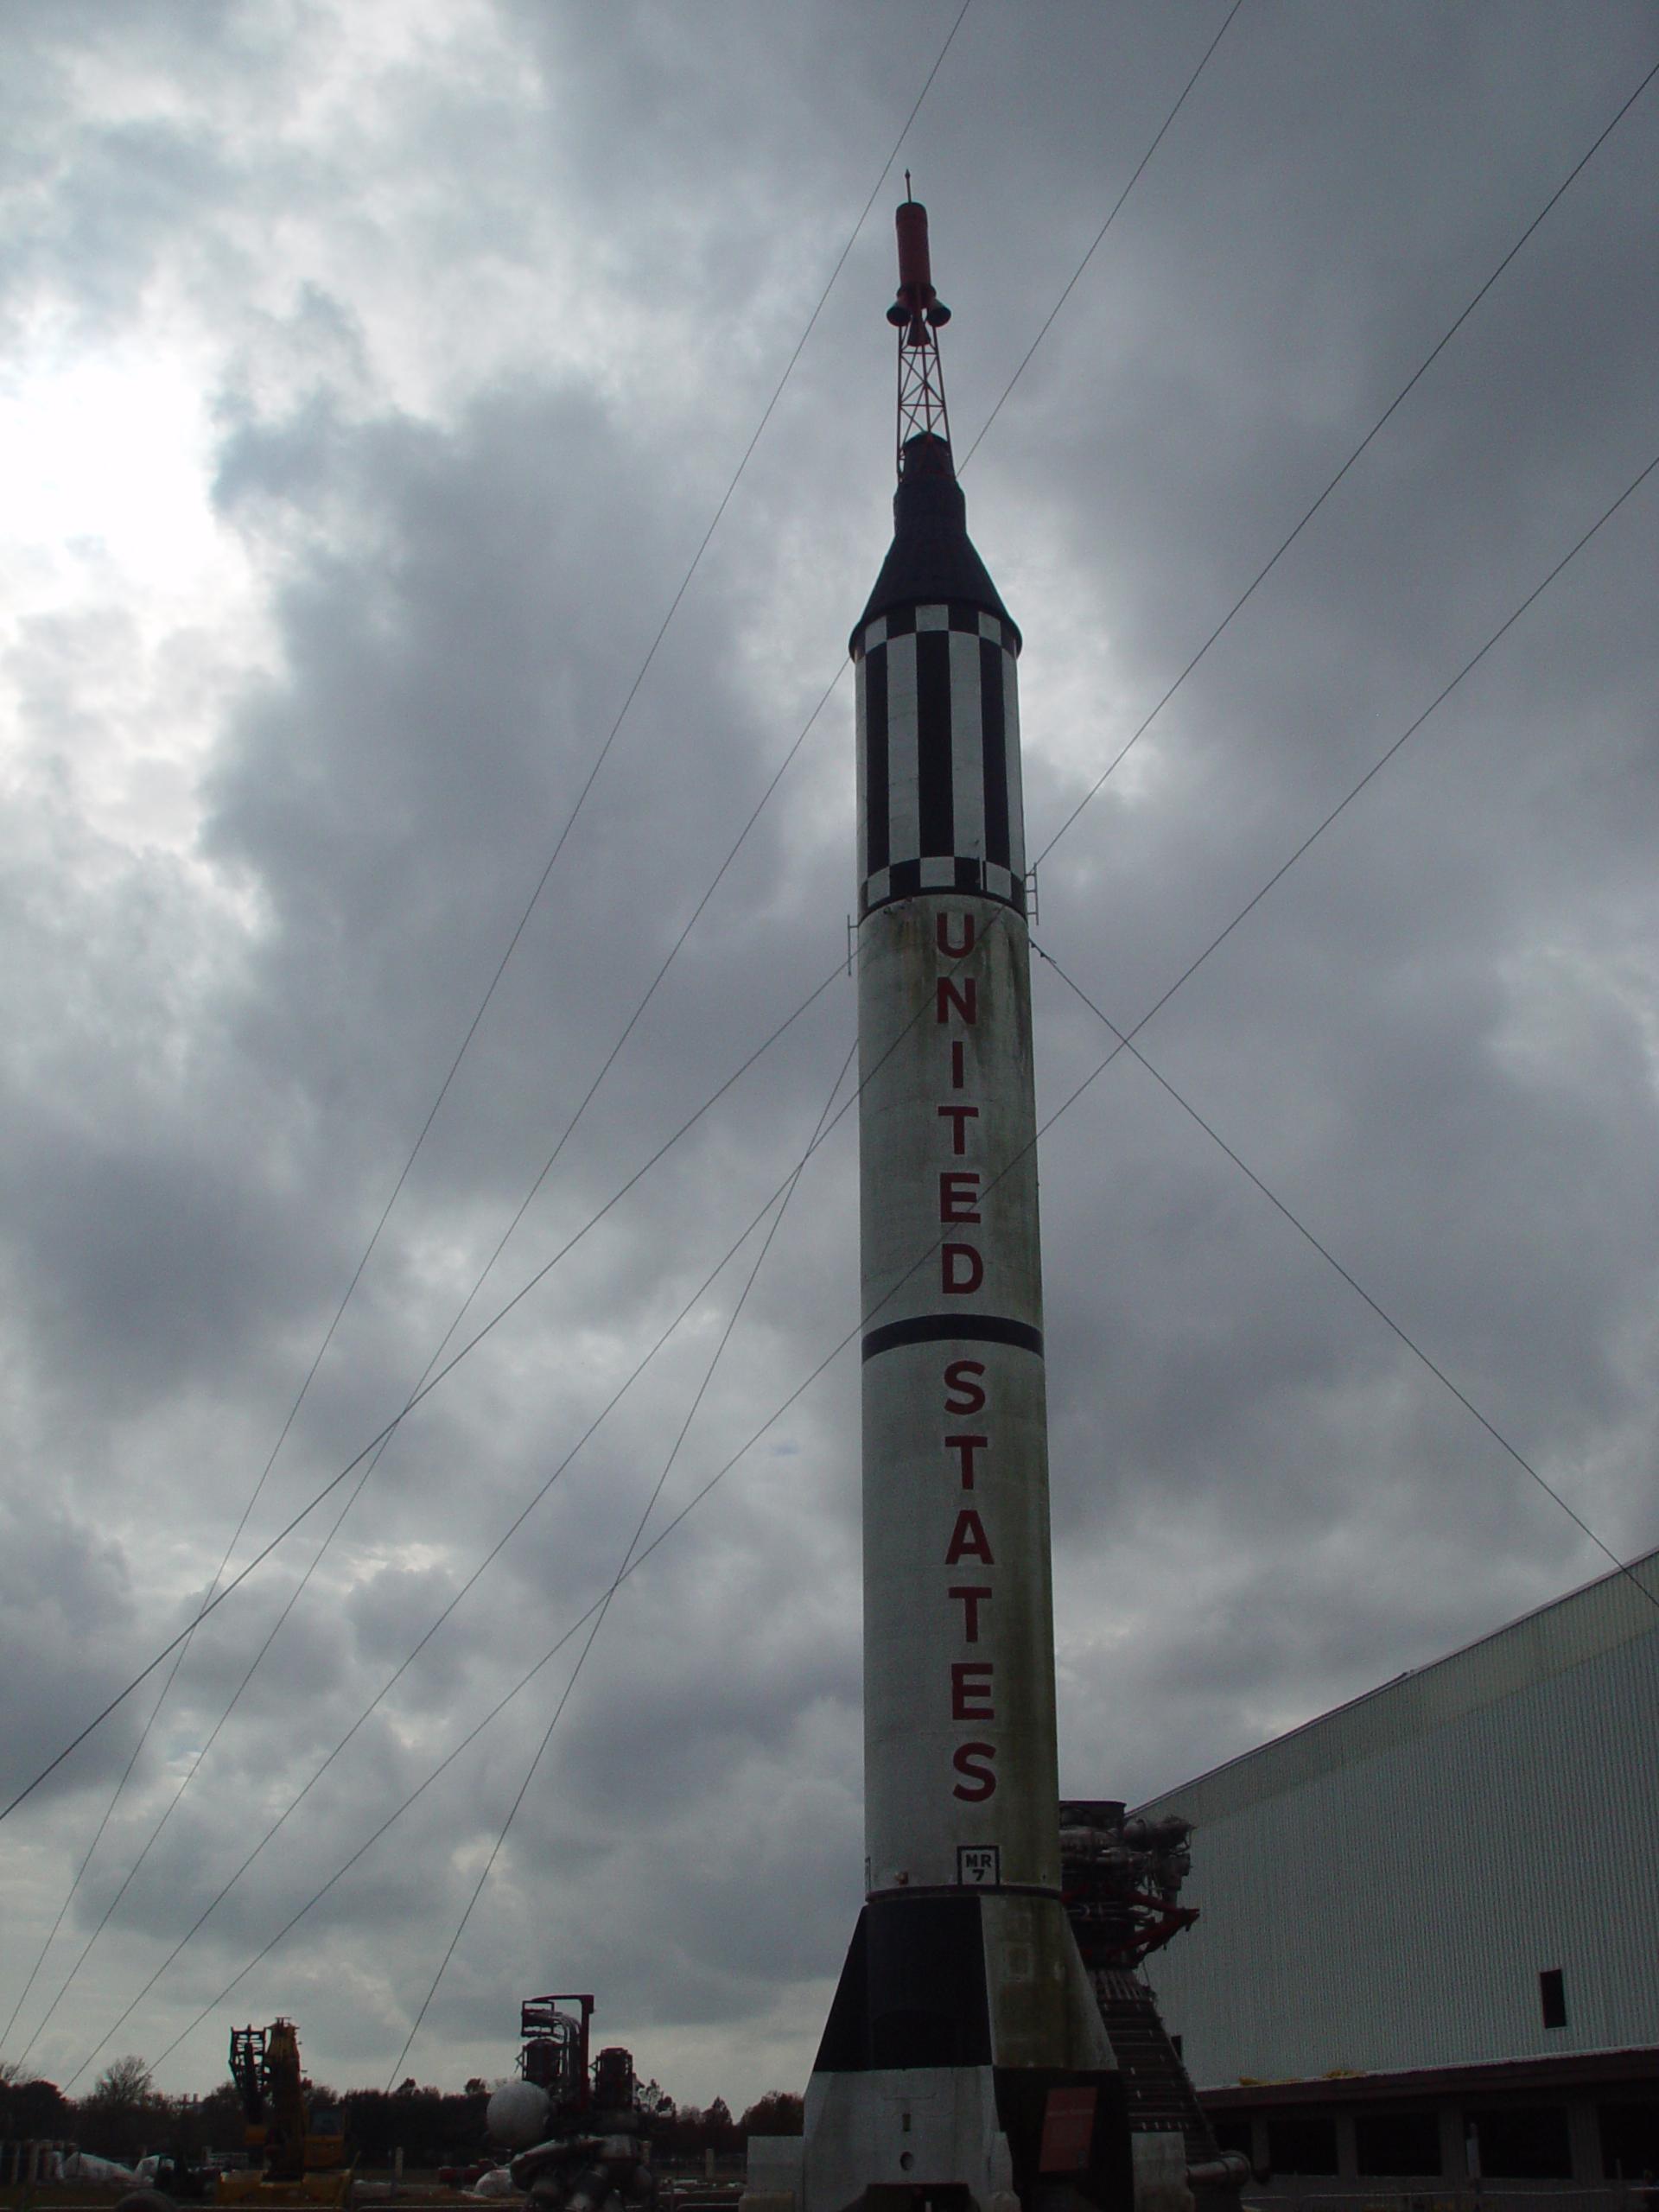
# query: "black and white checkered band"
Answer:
x=938 y=757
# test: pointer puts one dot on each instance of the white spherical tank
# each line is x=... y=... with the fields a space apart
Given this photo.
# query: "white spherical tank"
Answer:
x=518 y=2114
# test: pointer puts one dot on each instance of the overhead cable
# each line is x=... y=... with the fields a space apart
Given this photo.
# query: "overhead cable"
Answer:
x=1428 y=359
x=778 y=1199
x=788 y=758
x=1101 y=780
x=378 y=1445
x=1116 y=208
x=293 y=1805
x=662 y=1536
x=529 y=910
x=332 y=1484
x=616 y=1581
x=295 y=1802
x=1358 y=1288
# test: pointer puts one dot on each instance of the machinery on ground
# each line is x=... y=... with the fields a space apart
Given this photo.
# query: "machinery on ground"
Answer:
x=180 y=2182
x=579 y=2129
x=298 y=2165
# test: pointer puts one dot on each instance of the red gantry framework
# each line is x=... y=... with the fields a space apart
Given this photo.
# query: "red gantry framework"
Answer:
x=919 y=314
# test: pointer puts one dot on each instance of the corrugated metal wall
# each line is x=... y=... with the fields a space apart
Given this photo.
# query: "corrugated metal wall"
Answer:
x=1380 y=1889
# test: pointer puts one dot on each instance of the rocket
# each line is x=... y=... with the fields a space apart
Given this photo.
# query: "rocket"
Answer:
x=964 y=2059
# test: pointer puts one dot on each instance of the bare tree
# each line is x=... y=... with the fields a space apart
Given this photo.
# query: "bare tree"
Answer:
x=123 y=2085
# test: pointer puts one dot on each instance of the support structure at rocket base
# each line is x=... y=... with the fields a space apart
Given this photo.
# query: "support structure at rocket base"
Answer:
x=965 y=2061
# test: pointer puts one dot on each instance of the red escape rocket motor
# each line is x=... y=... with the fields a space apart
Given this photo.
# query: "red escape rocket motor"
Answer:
x=964 y=2051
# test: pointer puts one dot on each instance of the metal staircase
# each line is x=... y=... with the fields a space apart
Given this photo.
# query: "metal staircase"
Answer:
x=1161 y=2097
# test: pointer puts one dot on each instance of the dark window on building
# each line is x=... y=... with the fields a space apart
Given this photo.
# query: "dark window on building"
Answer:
x=1552 y=1994
x=1233 y=2135
x=1525 y=2144
x=1629 y=2140
x=1303 y=2145
x=1398 y=2143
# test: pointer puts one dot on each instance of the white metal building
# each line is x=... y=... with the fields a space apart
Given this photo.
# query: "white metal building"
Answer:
x=1428 y=1878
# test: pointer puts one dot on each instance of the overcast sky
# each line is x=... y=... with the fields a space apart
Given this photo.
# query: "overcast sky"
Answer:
x=371 y=375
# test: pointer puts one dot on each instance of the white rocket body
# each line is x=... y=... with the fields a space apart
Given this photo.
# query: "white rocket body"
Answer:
x=959 y=1757
x=963 y=2005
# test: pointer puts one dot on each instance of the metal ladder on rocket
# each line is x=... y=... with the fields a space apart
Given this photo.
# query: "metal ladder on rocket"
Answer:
x=965 y=2061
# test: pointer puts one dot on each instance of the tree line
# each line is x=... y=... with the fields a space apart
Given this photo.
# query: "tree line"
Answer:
x=124 y=2115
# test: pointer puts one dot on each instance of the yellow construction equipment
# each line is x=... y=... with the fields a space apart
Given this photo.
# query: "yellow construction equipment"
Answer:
x=300 y=2168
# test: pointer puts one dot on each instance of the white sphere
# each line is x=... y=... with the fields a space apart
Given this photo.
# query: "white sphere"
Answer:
x=518 y=2114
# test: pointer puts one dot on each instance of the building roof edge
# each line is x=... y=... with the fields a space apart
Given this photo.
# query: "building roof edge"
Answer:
x=1549 y=1640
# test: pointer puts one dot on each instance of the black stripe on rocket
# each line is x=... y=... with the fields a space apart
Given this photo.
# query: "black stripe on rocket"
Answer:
x=938 y=758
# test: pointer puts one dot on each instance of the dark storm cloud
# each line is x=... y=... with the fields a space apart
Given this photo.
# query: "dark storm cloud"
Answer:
x=466 y=505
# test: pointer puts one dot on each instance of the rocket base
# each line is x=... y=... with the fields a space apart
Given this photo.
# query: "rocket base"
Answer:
x=957 y=2019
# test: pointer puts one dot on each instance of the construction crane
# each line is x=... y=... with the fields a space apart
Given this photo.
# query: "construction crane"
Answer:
x=266 y=2066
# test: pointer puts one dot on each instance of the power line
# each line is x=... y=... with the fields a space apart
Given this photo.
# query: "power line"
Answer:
x=1358 y=1288
x=1377 y=766
x=334 y=1483
x=783 y=767
x=379 y=1445
x=1278 y=875
x=662 y=1535
x=616 y=1581
x=766 y=796
x=823 y=700
x=507 y=956
x=1415 y=377
x=582 y=1620
x=1116 y=207
x=1060 y=833
x=293 y=1803
x=781 y=1194
x=378 y=1442
x=788 y=759
x=69 y=1898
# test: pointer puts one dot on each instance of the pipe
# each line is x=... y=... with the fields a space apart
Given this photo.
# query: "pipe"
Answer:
x=1231 y=2171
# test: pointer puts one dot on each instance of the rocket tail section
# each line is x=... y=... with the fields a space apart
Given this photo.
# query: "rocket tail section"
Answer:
x=965 y=2057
